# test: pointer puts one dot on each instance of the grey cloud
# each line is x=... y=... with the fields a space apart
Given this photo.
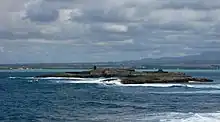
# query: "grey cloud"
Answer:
x=41 y=11
x=42 y=15
x=156 y=27
x=60 y=0
x=193 y=4
x=98 y=16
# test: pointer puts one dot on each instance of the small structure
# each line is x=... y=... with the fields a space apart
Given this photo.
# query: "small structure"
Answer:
x=94 y=67
x=161 y=71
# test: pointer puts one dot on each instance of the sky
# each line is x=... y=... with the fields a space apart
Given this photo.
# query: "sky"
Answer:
x=53 y=31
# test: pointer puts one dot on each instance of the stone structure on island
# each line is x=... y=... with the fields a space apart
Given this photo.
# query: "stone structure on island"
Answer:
x=130 y=76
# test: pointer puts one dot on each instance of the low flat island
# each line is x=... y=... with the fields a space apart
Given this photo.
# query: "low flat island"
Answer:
x=130 y=76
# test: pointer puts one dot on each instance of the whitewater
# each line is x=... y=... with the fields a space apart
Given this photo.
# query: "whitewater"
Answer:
x=26 y=98
x=116 y=81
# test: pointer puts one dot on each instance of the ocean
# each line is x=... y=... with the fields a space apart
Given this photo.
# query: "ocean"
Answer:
x=24 y=98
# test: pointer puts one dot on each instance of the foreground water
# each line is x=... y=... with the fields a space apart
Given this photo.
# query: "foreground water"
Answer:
x=24 y=98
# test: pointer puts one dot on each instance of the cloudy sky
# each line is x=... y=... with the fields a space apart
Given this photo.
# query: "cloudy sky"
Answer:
x=106 y=30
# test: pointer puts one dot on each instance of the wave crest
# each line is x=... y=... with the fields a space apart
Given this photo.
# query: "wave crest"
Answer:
x=116 y=81
x=184 y=117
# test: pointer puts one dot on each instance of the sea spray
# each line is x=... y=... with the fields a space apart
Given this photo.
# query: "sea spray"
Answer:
x=183 y=117
x=117 y=81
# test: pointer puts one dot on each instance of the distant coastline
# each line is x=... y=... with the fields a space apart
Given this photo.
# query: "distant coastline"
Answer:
x=67 y=68
x=88 y=66
x=72 y=68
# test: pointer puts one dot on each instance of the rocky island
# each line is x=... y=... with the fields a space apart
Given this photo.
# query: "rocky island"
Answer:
x=130 y=76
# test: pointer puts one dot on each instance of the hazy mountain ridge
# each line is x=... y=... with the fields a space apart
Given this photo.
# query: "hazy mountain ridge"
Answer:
x=204 y=60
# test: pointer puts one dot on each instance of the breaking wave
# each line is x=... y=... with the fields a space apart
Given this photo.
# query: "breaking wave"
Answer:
x=90 y=81
x=72 y=80
x=189 y=92
x=164 y=117
x=116 y=81
x=183 y=117
x=46 y=78
x=163 y=85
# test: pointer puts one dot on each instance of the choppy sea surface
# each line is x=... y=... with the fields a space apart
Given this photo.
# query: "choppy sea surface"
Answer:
x=24 y=98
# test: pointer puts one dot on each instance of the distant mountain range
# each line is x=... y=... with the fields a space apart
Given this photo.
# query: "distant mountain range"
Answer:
x=204 y=58
x=208 y=60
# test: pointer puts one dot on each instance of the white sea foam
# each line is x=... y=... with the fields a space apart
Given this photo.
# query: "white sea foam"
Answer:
x=47 y=78
x=162 y=117
x=190 y=92
x=157 y=85
x=12 y=77
x=77 y=82
x=213 y=86
x=22 y=78
x=59 y=78
x=163 y=85
x=117 y=82
x=90 y=81
x=183 y=117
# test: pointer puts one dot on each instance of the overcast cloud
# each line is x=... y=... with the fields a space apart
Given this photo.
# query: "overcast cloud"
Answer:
x=106 y=30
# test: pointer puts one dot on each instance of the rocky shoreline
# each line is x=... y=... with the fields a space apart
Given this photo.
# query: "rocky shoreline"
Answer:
x=130 y=76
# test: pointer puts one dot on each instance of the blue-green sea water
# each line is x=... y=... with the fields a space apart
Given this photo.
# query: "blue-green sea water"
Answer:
x=24 y=98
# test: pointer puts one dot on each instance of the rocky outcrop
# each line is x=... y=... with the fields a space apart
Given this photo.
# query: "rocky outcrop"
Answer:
x=130 y=76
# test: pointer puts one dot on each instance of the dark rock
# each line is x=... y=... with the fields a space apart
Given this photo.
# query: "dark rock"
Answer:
x=130 y=76
x=160 y=71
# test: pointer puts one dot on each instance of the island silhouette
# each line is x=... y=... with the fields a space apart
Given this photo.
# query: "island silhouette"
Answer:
x=131 y=76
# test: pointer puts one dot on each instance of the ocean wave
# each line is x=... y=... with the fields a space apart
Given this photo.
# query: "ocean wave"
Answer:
x=103 y=81
x=168 y=85
x=59 y=78
x=157 y=85
x=183 y=117
x=22 y=78
x=189 y=92
x=116 y=81
x=15 y=77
